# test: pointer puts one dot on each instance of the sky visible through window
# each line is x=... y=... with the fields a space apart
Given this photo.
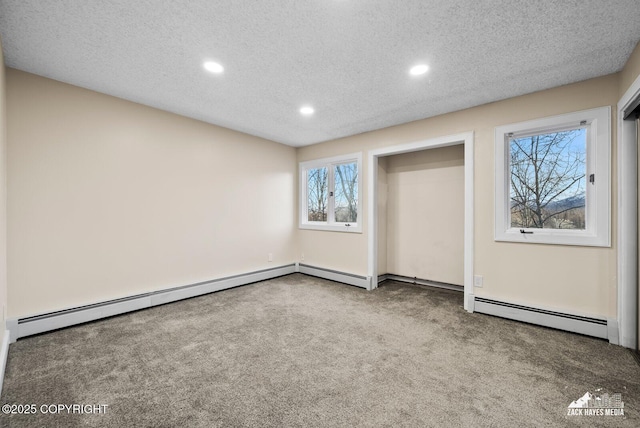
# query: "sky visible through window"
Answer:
x=548 y=180
x=317 y=194
x=344 y=193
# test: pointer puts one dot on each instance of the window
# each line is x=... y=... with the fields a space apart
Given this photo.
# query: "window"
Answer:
x=330 y=194
x=552 y=180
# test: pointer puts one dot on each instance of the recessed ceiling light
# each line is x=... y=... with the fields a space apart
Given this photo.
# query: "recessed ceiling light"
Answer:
x=307 y=110
x=419 y=69
x=213 y=67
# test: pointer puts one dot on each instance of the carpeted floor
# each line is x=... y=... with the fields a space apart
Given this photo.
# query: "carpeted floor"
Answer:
x=301 y=351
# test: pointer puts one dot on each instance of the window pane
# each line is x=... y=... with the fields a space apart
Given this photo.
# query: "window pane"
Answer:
x=346 y=192
x=317 y=194
x=548 y=180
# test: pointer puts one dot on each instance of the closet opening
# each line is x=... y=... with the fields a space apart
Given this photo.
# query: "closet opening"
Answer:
x=421 y=207
x=421 y=217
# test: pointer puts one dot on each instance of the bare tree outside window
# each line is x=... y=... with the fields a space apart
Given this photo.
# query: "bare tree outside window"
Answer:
x=346 y=193
x=548 y=180
x=317 y=194
x=329 y=191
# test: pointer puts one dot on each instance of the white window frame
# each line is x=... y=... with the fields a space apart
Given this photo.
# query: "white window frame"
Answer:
x=597 y=230
x=330 y=224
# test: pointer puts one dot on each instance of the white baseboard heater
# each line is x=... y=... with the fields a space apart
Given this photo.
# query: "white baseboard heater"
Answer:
x=22 y=327
x=595 y=327
x=334 y=275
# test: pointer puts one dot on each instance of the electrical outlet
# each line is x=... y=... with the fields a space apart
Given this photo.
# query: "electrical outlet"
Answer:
x=478 y=280
x=270 y=257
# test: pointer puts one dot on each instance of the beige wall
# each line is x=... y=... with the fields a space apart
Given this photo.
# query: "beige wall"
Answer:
x=425 y=214
x=630 y=72
x=577 y=279
x=3 y=200
x=108 y=198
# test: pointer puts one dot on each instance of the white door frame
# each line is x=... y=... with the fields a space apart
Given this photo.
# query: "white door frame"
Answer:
x=451 y=140
x=627 y=285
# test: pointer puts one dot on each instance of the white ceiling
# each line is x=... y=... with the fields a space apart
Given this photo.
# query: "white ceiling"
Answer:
x=347 y=58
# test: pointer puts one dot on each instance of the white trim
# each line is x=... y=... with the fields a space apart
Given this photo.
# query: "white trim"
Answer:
x=469 y=219
x=12 y=327
x=337 y=276
x=330 y=225
x=372 y=240
x=36 y=324
x=4 y=353
x=331 y=228
x=627 y=285
x=612 y=331
x=598 y=207
x=471 y=299
x=591 y=326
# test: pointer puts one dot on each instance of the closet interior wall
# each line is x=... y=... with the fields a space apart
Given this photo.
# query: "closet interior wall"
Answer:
x=421 y=215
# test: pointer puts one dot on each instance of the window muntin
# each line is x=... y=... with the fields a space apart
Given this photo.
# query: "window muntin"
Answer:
x=570 y=201
x=330 y=194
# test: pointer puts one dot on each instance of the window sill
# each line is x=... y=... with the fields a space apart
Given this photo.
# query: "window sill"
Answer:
x=331 y=228
x=553 y=237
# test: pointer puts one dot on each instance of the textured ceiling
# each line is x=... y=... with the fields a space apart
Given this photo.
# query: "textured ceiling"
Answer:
x=347 y=58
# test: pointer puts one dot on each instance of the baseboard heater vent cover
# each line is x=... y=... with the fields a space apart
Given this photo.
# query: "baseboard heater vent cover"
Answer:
x=334 y=275
x=562 y=321
x=41 y=323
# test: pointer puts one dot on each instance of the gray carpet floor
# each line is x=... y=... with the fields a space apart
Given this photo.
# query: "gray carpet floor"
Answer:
x=301 y=351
